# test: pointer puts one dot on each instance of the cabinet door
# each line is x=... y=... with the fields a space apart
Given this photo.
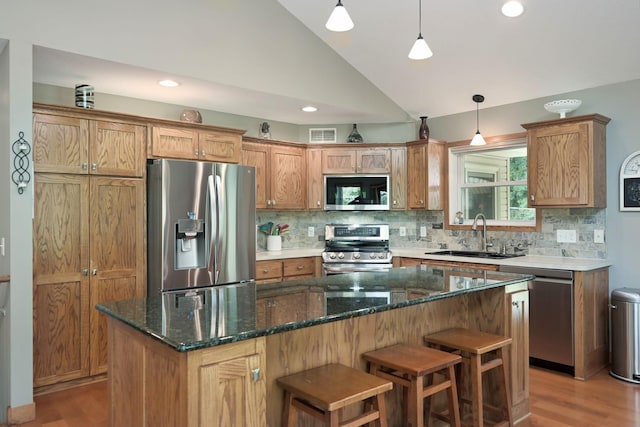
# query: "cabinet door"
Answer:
x=268 y=269
x=60 y=281
x=117 y=267
x=559 y=168
x=376 y=160
x=174 y=143
x=436 y=154
x=117 y=149
x=257 y=155
x=417 y=176
x=220 y=147
x=338 y=161
x=398 y=178
x=233 y=393
x=517 y=322
x=60 y=144
x=315 y=179
x=298 y=267
x=288 y=169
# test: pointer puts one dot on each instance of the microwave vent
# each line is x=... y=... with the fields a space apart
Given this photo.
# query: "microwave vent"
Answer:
x=322 y=135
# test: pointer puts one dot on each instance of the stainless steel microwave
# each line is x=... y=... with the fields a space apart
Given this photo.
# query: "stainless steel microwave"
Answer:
x=356 y=192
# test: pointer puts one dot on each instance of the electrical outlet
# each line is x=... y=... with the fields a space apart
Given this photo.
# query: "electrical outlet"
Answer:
x=403 y=231
x=423 y=231
x=567 y=236
x=1 y=246
x=311 y=231
x=598 y=236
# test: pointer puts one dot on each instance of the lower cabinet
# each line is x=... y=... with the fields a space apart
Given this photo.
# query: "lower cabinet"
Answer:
x=280 y=270
x=517 y=327
x=216 y=386
x=88 y=247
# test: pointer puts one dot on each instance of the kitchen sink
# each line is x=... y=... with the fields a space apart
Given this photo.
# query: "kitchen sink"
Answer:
x=475 y=254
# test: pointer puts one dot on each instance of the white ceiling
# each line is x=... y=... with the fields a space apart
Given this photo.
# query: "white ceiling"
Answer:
x=554 y=47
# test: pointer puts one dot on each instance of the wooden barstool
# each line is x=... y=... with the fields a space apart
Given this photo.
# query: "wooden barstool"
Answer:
x=322 y=391
x=412 y=367
x=472 y=345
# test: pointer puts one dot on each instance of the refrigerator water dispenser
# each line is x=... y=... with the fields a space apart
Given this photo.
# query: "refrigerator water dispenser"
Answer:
x=190 y=244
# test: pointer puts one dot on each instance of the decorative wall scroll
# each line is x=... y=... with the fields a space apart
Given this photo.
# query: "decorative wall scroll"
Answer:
x=20 y=175
x=630 y=183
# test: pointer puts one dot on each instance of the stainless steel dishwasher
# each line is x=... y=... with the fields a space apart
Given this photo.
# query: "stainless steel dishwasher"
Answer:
x=551 y=312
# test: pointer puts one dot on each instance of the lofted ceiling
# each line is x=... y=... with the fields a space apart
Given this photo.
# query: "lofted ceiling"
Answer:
x=364 y=75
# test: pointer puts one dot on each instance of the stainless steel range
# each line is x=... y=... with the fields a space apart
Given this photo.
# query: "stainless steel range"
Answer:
x=356 y=247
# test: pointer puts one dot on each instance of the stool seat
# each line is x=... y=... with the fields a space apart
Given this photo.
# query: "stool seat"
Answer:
x=472 y=346
x=412 y=366
x=324 y=390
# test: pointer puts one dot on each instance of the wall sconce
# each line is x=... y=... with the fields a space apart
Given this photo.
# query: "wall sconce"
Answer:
x=20 y=175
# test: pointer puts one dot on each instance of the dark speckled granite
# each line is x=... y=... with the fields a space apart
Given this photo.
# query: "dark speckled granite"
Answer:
x=227 y=314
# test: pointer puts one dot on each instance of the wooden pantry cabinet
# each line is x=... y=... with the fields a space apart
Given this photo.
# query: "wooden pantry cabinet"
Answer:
x=196 y=142
x=425 y=175
x=350 y=161
x=88 y=234
x=281 y=173
x=567 y=162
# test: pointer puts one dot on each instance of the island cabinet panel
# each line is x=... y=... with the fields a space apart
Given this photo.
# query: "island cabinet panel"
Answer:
x=517 y=327
x=88 y=248
x=218 y=386
x=567 y=162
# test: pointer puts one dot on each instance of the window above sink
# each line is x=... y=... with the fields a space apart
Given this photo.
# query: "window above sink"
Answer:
x=491 y=180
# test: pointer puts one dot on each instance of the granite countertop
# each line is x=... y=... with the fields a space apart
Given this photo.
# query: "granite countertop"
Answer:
x=533 y=261
x=227 y=314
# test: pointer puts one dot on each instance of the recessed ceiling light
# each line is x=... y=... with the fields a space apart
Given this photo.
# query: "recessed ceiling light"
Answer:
x=168 y=83
x=512 y=9
x=309 y=109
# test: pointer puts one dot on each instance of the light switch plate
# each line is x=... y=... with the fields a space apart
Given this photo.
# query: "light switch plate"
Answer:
x=567 y=236
x=423 y=231
x=598 y=236
x=311 y=231
x=1 y=246
x=402 y=231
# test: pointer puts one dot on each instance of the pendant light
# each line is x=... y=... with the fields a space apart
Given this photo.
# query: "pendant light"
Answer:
x=477 y=138
x=420 y=49
x=339 y=20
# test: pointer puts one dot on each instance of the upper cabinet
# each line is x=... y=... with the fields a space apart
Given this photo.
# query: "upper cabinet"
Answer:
x=348 y=161
x=68 y=141
x=398 y=178
x=315 y=180
x=567 y=162
x=281 y=174
x=196 y=142
x=425 y=175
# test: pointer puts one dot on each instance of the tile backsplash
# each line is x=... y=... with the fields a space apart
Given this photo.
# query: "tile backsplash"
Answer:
x=583 y=221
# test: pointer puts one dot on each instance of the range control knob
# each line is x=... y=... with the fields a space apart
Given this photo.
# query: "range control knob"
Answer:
x=381 y=255
x=341 y=255
x=332 y=255
x=372 y=255
x=356 y=255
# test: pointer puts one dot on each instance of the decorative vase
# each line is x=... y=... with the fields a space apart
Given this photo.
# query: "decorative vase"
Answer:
x=192 y=116
x=424 y=128
x=84 y=96
x=274 y=243
x=354 y=136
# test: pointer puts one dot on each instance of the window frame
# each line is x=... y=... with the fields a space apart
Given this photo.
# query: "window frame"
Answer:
x=452 y=181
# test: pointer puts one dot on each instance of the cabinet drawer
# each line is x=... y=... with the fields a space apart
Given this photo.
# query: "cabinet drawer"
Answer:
x=268 y=269
x=298 y=266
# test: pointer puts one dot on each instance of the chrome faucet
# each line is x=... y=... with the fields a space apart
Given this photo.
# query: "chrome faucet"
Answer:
x=474 y=227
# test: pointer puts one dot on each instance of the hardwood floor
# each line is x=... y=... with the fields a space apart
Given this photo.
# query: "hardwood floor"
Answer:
x=557 y=400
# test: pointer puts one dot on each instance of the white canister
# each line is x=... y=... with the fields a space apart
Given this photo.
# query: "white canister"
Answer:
x=274 y=243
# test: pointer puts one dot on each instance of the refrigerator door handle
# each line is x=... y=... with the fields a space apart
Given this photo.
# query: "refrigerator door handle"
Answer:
x=219 y=229
x=212 y=222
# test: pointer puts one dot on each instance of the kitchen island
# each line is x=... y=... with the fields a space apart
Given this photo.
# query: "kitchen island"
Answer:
x=212 y=358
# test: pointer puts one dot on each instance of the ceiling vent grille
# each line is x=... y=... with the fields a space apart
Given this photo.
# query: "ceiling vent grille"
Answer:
x=322 y=135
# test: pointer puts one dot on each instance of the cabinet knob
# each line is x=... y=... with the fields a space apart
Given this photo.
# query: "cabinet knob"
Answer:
x=317 y=202
x=300 y=267
x=94 y=166
x=395 y=202
x=94 y=271
x=204 y=153
x=516 y=304
x=195 y=152
x=255 y=374
x=265 y=270
x=85 y=166
x=421 y=202
x=268 y=202
x=273 y=202
x=85 y=272
x=533 y=198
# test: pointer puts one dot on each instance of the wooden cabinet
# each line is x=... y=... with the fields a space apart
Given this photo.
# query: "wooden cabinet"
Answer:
x=425 y=175
x=517 y=327
x=79 y=145
x=349 y=161
x=567 y=162
x=222 y=386
x=281 y=175
x=398 y=178
x=315 y=179
x=280 y=309
x=273 y=271
x=197 y=142
x=88 y=247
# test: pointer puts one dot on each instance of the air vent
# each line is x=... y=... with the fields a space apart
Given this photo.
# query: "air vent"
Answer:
x=322 y=135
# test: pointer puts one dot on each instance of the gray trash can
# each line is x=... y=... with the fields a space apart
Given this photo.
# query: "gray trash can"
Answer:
x=625 y=334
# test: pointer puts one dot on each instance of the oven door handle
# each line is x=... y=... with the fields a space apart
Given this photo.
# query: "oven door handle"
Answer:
x=356 y=269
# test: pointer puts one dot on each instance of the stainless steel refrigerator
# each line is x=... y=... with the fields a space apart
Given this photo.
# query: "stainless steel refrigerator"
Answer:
x=201 y=228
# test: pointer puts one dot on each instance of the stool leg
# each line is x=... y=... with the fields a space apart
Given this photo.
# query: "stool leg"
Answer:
x=476 y=391
x=454 y=408
x=289 y=413
x=382 y=410
x=506 y=398
x=415 y=407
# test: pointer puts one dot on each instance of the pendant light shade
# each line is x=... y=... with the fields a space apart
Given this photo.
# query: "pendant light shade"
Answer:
x=477 y=138
x=420 y=49
x=339 y=20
